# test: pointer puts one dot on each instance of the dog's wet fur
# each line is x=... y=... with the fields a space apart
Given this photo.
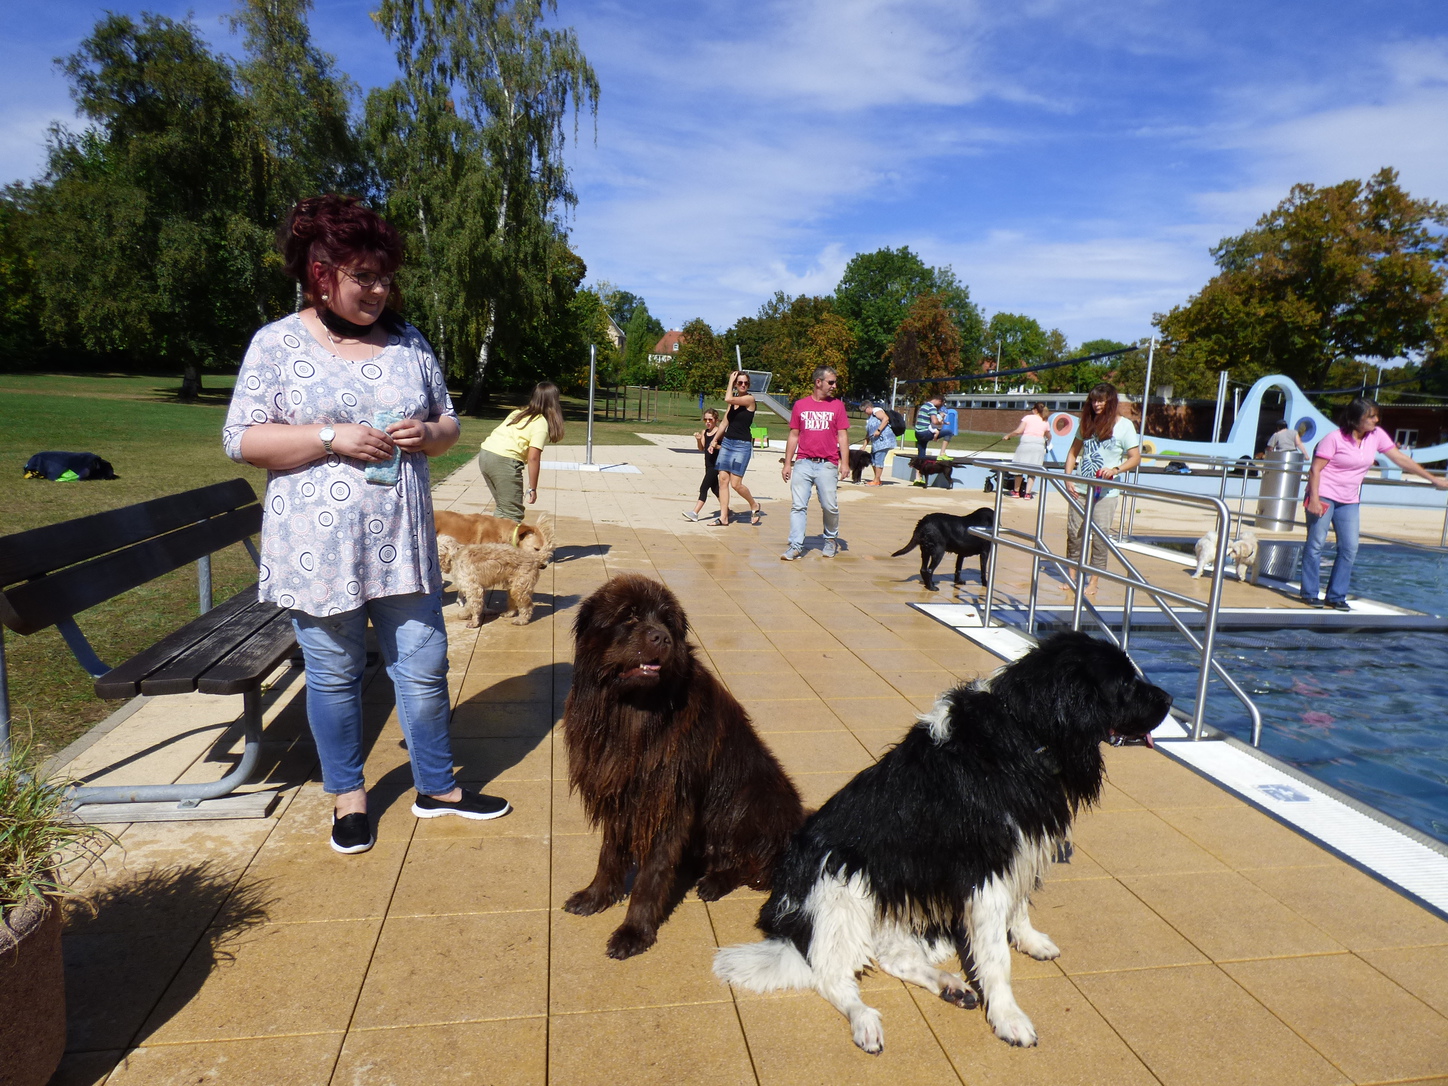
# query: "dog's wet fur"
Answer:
x=937 y=847
x=938 y=533
x=667 y=764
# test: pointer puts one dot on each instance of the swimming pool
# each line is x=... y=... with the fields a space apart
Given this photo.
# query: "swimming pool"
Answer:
x=1362 y=711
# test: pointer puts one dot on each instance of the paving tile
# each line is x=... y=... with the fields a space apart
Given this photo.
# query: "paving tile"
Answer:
x=509 y=1052
x=820 y=751
x=815 y=788
x=476 y=875
x=771 y=715
x=285 y=1061
x=1356 y=910
x=1139 y=843
x=85 y=1068
x=485 y=761
x=114 y=979
x=1242 y=837
x=799 y=1039
x=1114 y=799
x=654 y=1046
x=675 y=970
x=1137 y=772
x=1228 y=917
x=893 y=713
x=1194 y=1026
x=771 y=686
x=1100 y=925
x=1359 y=1019
x=1421 y=970
x=438 y=969
x=326 y=885
x=1077 y=1047
x=264 y=982
x=860 y=684
x=505 y=719
x=747 y=662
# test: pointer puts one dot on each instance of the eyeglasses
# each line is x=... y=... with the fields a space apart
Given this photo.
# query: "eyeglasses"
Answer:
x=368 y=280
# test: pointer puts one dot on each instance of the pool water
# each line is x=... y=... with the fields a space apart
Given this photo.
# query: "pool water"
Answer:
x=1362 y=711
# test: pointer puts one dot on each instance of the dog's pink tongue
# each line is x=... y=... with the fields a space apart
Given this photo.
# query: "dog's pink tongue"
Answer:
x=1149 y=740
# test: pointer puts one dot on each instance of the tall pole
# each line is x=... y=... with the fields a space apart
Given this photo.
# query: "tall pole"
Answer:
x=894 y=393
x=1221 y=405
x=592 y=383
x=1146 y=392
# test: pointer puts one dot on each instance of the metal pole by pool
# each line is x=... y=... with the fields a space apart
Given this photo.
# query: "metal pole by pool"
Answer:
x=592 y=383
x=1221 y=405
x=1146 y=392
x=894 y=393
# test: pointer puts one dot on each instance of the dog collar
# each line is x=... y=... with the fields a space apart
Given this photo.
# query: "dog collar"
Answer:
x=517 y=529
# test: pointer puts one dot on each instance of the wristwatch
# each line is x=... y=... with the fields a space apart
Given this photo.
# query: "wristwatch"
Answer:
x=328 y=435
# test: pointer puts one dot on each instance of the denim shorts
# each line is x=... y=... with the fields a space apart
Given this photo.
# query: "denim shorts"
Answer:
x=877 y=458
x=734 y=456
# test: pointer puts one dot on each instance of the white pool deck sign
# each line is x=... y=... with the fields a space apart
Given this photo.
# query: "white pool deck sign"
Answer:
x=1397 y=858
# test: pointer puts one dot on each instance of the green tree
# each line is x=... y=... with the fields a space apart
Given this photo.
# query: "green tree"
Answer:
x=641 y=334
x=1330 y=276
x=875 y=294
x=515 y=81
x=153 y=219
x=805 y=334
x=700 y=365
x=20 y=302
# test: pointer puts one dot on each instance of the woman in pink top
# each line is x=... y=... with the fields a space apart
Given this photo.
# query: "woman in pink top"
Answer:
x=1339 y=464
x=1031 y=451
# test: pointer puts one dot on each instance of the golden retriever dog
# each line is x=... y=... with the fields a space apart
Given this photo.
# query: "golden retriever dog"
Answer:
x=481 y=528
x=477 y=567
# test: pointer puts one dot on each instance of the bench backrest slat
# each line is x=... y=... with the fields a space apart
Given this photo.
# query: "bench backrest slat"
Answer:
x=44 y=550
x=35 y=605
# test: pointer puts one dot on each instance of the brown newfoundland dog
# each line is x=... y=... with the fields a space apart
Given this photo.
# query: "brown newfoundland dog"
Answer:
x=667 y=764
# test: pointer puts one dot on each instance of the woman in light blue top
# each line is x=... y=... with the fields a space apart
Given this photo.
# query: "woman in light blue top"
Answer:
x=343 y=403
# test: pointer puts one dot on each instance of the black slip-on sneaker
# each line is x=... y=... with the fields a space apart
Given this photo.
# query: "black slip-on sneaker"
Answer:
x=1339 y=605
x=472 y=805
x=352 y=833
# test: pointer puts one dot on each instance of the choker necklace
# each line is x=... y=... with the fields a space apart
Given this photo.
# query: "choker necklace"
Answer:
x=341 y=325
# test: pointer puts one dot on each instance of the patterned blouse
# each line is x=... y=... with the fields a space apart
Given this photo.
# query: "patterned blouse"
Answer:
x=330 y=541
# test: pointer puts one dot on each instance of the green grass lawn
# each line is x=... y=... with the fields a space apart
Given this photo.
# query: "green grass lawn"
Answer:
x=158 y=446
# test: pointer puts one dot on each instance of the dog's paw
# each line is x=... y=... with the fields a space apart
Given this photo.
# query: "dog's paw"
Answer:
x=1013 y=1027
x=628 y=941
x=587 y=902
x=713 y=887
x=521 y=620
x=867 y=1031
x=959 y=993
x=1037 y=945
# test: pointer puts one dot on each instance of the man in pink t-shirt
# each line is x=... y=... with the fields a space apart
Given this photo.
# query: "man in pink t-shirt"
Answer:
x=1339 y=464
x=816 y=457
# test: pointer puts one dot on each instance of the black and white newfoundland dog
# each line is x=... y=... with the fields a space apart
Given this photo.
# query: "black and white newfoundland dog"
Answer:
x=938 y=846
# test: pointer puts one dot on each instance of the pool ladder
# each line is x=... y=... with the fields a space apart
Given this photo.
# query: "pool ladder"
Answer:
x=1078 y=570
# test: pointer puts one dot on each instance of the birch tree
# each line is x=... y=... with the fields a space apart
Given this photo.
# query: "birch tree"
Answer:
x=515 y=81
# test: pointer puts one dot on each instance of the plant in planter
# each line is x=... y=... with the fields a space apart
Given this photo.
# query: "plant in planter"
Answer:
x=37 y=834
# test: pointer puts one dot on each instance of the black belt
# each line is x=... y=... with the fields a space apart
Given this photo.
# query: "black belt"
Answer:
x=819 y=459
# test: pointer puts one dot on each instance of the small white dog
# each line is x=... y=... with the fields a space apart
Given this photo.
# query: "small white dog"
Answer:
x=1242 y=552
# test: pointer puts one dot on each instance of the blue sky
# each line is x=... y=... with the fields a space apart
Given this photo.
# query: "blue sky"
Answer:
x=1071 y=160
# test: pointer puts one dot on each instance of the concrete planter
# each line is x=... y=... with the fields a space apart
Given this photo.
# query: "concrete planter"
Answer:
x=32 y=994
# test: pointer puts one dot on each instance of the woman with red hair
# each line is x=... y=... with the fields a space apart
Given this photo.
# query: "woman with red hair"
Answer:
x=343 y=402
x=1106 y=445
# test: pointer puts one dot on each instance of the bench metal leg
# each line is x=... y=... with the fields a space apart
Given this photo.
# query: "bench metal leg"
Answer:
x=97 y=803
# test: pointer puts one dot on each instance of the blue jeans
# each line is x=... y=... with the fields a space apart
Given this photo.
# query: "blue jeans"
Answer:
x=1344 y=522
x=413 y=640
x=821 y=475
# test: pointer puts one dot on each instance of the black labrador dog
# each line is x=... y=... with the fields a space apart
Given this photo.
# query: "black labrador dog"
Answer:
x=937 y=533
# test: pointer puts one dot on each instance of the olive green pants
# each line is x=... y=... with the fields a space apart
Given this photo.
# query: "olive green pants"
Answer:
x=504 y=477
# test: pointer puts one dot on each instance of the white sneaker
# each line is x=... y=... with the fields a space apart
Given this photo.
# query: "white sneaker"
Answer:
x=791 y=554
x=831 y=549
x=690 y=515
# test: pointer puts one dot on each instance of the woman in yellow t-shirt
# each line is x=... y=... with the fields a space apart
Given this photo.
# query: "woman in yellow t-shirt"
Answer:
x=517 y=440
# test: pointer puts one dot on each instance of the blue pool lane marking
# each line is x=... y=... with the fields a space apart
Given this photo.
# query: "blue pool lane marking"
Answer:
x=1368 y=839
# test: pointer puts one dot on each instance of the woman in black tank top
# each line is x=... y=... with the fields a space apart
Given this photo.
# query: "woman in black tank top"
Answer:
x=734 y=445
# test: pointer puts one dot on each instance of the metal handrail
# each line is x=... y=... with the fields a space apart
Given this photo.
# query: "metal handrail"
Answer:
x=1133 y=580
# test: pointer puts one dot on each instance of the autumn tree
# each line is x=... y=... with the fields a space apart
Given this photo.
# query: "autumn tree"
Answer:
x=927 y=343
x=1334 y=275
x=803 y=335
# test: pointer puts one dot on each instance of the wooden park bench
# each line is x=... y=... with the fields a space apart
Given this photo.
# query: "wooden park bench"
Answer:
x=49 y=575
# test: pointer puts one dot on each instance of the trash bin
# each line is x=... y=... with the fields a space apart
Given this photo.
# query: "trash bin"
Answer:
x=1278 y=498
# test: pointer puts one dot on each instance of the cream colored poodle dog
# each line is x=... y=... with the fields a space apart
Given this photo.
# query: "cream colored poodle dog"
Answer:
x=476 y=567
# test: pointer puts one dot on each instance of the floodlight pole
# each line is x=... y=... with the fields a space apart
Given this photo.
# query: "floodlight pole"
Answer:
x=592 y=382
x=894 y=393
x=1146 y=392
